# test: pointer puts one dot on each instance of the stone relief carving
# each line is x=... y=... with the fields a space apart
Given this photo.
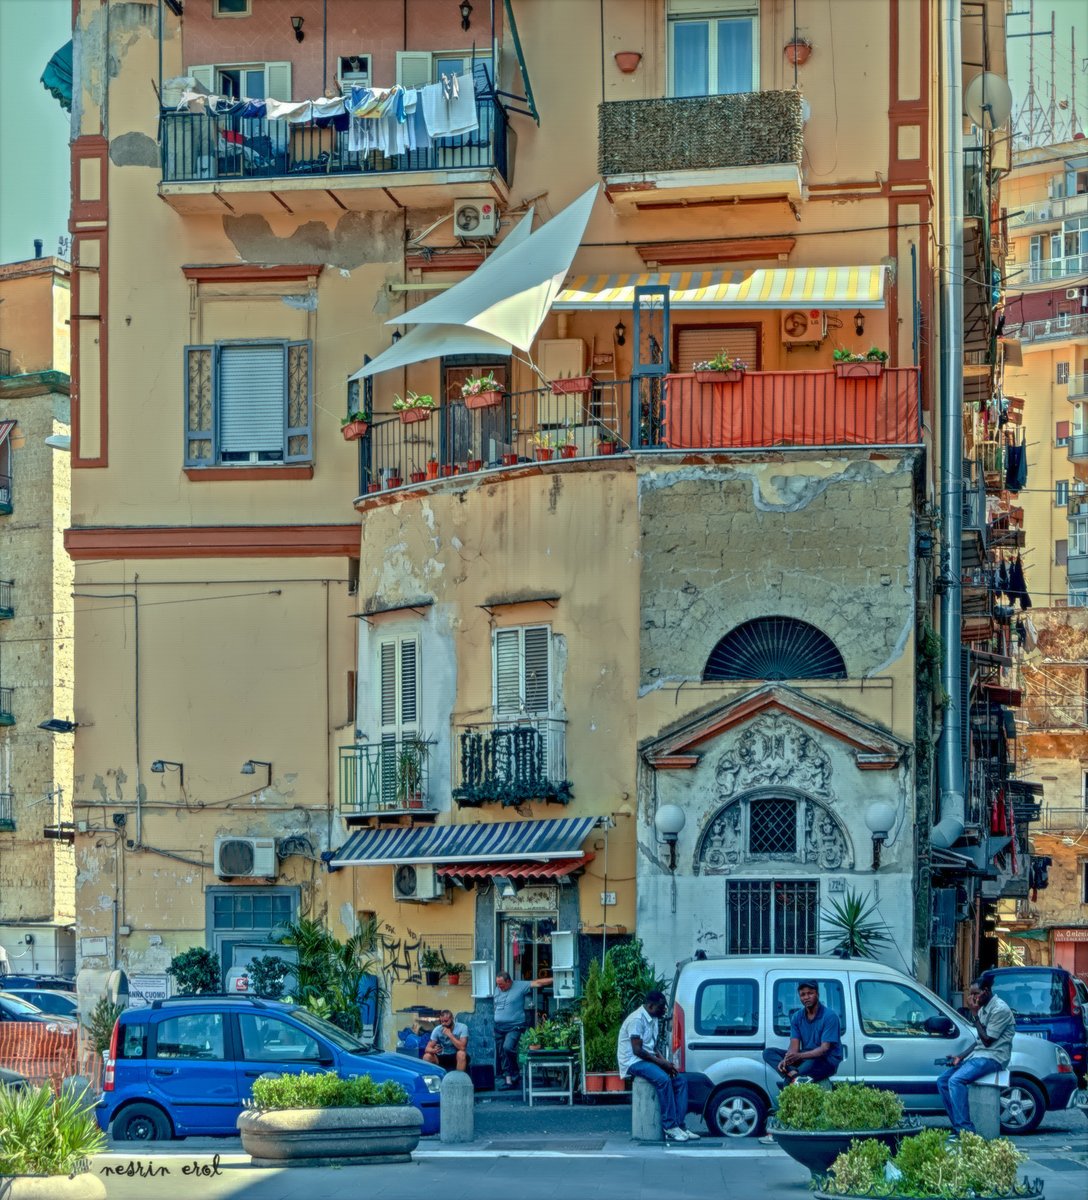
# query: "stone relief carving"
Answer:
x=825 y=843
x=724 y=844
x=774 y=751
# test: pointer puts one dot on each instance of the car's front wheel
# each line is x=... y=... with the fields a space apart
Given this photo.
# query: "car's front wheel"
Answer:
x=736 y=1112
x=141 y=1123
x=1022 y=1106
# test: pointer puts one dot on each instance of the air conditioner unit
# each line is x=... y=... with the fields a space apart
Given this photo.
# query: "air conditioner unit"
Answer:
x=418 y=882
x=241 y=857
x=803 y=327
x=475 y=218
x=1072 y=293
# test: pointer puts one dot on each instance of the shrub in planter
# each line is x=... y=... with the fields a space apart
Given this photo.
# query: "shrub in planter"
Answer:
x=849 y=365
x=413 y=407
x=433 y=965
x=196 y=972
x=52 y=1136
x=481 y=391
x=722 y=368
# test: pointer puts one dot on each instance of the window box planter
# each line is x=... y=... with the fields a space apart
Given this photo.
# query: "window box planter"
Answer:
x=573 y=386
x=315 y=1137
x=474 y=464
x=859 y=370
x=484 y=400
x=606 y=447
x=509 y=460
x=408 y=416
x=817 y=1149
x=718 y=376
x=543 y=453
x=568 y=451
x=354 y=430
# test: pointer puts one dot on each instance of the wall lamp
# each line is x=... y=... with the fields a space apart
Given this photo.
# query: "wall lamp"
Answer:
x=669 y=821
x=859 y=322
x=58 y=725
x=506 y=888
x=158 y=767
x=296 y=25
x=466 y=12
x=397 y=335
x=249 y=767
x=621 y=333
x=880 y=817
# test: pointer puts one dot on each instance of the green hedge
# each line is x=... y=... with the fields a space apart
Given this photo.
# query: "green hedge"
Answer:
x=325 y=1090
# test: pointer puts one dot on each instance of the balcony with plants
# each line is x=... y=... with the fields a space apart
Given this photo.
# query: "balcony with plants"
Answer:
x=511 y=761
x=388 y=776
x=676 y=148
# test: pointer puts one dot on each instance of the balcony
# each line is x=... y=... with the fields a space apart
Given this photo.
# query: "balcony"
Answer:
x=227 y=164
x=762 y=409
x=1069 y=267
x=5 y=362
x=387 y=777
x=511 y=762
x=7 y=599
x=1078 y=387
x=1050 y=212
x=692 y=149
x=5 y=493
x=1076 y=569
x=7 y=713
x=1056 y=329
x=1067 y=819
x=1078 y=447
x=7 y=811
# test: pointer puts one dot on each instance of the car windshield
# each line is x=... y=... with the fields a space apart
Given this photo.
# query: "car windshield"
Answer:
x=333 y=1033
x=19 y=1007
x=1031 y=993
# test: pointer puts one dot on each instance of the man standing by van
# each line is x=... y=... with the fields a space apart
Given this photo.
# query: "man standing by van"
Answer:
x=637 y=1059
x=995 y=1026
x=815 y=1048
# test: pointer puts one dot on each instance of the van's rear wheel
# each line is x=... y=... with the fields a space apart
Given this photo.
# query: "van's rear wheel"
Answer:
x=141 y=1123
x=1023 y=1106
x=736 y=1112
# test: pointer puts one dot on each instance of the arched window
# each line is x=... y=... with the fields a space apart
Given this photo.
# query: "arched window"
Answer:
x=775 y=648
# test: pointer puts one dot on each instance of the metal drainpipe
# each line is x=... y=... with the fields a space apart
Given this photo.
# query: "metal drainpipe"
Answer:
x=950 y=766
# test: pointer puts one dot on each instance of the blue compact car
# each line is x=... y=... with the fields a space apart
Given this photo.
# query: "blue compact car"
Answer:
x=1046 y=1004
x=185 y=1066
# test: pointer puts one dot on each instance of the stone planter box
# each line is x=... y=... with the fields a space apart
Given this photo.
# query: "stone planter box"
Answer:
x=85 y=1186
x=319 y=1137
x=817 y=1149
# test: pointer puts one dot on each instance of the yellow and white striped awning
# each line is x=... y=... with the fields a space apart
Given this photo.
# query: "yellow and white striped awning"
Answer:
x=781 y=287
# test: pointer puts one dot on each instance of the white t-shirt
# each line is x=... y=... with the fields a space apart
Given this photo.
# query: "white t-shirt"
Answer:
x=641 y=1025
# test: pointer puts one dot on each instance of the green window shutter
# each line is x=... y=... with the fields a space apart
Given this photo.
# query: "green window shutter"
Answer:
x=409 y=682
x=537 y=665
x=278 y=80
x=507 y=665
x=252 y=400
x=299 y=402
x=199 y=406
x=387 y=665
x=413 y=68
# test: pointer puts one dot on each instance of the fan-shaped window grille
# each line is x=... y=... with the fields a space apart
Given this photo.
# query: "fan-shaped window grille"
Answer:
x=775 y=648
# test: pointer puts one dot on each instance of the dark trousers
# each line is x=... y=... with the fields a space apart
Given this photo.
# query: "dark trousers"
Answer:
x=506 y=1039
x=808 y=1068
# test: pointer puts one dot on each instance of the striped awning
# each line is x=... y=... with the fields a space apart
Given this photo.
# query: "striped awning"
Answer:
x=559 y=869
x=781 y=287
x=522 y=841
x=5 y=428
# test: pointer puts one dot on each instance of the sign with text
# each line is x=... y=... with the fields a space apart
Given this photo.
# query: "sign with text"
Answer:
x=91 y=947
x=143 y=989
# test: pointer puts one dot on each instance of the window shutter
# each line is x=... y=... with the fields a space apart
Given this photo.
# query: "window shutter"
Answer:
x=278 y=80
x=299 y=402
x=409 y=682
x=252 y=401
x=199 y=407
x=204 y=75
x=507 y=670
x=700 y=345
x=1061 y=552
x=537 y=672
x=1061 y=429
x=387 y=659
x=413 y=68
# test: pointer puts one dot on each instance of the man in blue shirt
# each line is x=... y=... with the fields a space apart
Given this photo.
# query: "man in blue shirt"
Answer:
x=815 y=1048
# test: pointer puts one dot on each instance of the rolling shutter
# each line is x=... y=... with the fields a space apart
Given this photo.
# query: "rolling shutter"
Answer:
x=699 y=344
x=252 y=399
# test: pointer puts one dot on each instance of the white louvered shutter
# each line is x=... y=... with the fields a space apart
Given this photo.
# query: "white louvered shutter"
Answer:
x=701 y=345
x=507 y=671
x=204 y=75
x=252 y=399
x=278 y=80
x=537 y=667
x=413 y=68
x=398 y=671
x=522 y=662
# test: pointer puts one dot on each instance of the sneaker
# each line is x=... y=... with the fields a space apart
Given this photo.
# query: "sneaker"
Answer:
x=767 y=1140
x=692 y=1136
x=675 y=1134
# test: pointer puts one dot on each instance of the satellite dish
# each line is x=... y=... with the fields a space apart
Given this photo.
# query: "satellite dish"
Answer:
x=987 y=100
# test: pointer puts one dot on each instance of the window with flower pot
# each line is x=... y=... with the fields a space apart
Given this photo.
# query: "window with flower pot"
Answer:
x=713 y=47
x=248 y=403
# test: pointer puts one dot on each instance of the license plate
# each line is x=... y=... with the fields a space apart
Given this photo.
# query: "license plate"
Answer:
x=1028 y=1033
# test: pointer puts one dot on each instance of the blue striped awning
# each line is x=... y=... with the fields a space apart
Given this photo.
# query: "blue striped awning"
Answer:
x=532 y=841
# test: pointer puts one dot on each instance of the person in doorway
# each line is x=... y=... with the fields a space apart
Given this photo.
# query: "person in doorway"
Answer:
x=637 y=1059
x=815 y=1048
x=511 y=1021
x=448 y=1047
x=995 y=1026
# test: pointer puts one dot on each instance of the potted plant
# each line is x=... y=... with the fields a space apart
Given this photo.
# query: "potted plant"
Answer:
x=433 y=965
x=797 y=51
x=853 y=927
x=46 y=1143
x=454 y=971
x=432 y=468
x=301 y=1120
x=607 y=444
x=569 y=448
x=413 y=407
x=814 y=1125
x=393 y=479
x=543 y=447
x=354 y=425
x=411 y=757
x=627 y=60
x=417 y=476
x=602 y=1014
x=930 y=1166
x=473 y=464
x=722 y=368
x=849 y=365
x=510 y=460
x=481 y=391
x=371 y=488
x=576 y=385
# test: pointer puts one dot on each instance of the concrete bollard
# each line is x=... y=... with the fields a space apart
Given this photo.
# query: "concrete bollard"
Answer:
x=984 y=1104
x=645 y=1112
x=456 y=1108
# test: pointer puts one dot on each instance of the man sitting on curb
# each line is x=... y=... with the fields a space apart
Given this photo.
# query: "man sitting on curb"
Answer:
x=995 y=1025
x=637 y=1060
x=448 y=1047
x=815 y=1048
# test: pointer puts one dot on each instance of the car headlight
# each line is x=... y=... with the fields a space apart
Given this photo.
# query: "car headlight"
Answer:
x=433 y=1083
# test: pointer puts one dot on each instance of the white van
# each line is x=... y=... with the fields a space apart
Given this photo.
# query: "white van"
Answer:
x=727 y=1011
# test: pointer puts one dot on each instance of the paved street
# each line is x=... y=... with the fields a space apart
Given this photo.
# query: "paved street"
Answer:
x=539 y=1152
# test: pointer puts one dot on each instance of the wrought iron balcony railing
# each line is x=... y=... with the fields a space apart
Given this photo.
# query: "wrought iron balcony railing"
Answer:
x=5 y=493
x=1065 y=325
x=511 y=762
x=201 y=146
x=1065 y=818
x=7 y=599
x=7 y=711
x=387 y=776
x=7 y=811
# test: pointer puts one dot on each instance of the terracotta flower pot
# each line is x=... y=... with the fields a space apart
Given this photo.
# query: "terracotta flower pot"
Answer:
x=718 y=376
x=393 y=481
x=797 y=53
x=354 y=430
x=568 y=451
x=614 y=1083
x=417 y=476
x=576 y=385
x=409 y=416
x=432 y=469
x=594 y=1083
x=474 y=464
x=447 y=471
x=371 y=488
x=454 y=980
x=484 y=400
x=606 y=447
x=509 y=460
x=869 y=369
x=543 y=454
x=627 y=60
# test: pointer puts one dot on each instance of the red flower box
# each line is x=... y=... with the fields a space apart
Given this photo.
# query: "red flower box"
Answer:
x=484 y=400
x=543 y=454
x=573 y=386
x=859 y=370
x=718 y=376
x=409 y=416
x=354 y=430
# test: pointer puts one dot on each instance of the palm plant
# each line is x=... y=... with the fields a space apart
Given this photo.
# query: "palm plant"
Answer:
x=854 y=926
x=44 y=1134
